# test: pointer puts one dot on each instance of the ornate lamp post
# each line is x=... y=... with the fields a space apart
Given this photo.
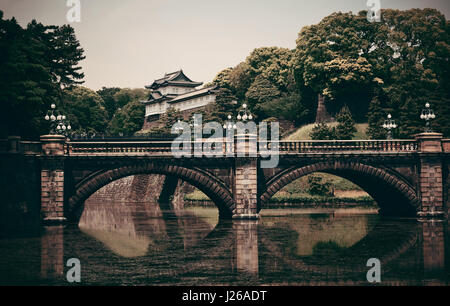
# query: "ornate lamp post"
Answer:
x=427 y=115
x=389 y=124
x=229 y=124
x=243 y=116
x=58 y=122
x=177 y=129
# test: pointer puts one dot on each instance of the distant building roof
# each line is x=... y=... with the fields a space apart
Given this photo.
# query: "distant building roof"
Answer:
x=177 y=78
x=178 y=98
x=193 y=94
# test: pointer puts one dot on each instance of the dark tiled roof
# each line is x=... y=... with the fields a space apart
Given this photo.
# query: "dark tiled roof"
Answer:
x=178 y=98
x=193 y=94
x=177 y=78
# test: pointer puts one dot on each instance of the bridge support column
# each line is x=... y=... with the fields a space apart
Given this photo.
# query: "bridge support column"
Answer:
x=52 y=179
x=246 y=246
x=246 y=188
x=430 y=179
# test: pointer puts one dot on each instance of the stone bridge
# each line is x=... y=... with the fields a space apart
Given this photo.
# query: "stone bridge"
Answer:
x=405 y=177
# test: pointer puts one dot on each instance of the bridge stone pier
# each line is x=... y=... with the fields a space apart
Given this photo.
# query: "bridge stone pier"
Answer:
x=52 y=178
x=431 y=169
x=246 y=188
x=405 y=177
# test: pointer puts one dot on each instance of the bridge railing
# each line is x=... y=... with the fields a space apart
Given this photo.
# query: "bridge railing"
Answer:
x=328 y=146
x=115 y=147
x=284 y=147
x=18 y=146
x=30 y=147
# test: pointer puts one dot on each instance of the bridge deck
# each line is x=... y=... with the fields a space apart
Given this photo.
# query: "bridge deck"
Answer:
x=209 y=148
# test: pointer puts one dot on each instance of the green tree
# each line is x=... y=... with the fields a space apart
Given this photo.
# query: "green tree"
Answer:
x=241 y=79
x=127 y=95
x=65 y=55
x=377 y=116
x=288 y=107
x=127 y=120
x=319 y=187
x=85 y=110
x=419 y=73
x=237 y=79
x=223 y=79
x=331 y=59
x=224 y=105
x=322 y=131
x=345 y=130
x=107 y=94
x=345 y=57
x=261 y=91
x=169 y=118
x=25 y=82
x=273 y=64
x=62 y=56
x=35 y=63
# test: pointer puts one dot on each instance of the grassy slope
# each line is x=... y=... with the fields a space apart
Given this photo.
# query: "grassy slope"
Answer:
x=303 y=132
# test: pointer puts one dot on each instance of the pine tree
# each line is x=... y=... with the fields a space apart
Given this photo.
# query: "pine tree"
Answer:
x=322 y=131
x=346 y=125
x=376 y=119
x=409 y=118
x=225 y=104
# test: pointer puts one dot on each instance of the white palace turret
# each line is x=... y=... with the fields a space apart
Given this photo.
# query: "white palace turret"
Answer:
x=177 y=90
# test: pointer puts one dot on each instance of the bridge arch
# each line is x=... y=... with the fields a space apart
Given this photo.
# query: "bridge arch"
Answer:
x=394 y=195
x=208 y=184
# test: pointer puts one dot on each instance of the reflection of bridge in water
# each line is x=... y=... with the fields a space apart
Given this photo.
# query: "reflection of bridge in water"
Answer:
x=177 y=247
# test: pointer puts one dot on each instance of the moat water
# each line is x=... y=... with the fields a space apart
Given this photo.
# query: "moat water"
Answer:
x=136 y=243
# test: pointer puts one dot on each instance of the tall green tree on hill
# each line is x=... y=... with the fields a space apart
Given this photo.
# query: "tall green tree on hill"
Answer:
x=376 y=117
x=267 y=68
x=260 y=92
x=331 y=60
x=273 y=64
x=419 y=74
x=406 y=54
x=345 y=130
x=65 y=55
x=35 y=64
x=25 y=82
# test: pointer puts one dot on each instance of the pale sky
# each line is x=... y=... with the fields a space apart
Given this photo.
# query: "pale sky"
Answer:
x=131 y=43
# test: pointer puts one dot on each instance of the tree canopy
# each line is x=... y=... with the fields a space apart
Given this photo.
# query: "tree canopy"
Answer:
x=85 y=110
x=36 y=63
x=399 y=63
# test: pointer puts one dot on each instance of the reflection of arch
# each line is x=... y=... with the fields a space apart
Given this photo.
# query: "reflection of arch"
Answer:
x=132 y=229
x=369 y=246
x=392 y=193
x=208 y=184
